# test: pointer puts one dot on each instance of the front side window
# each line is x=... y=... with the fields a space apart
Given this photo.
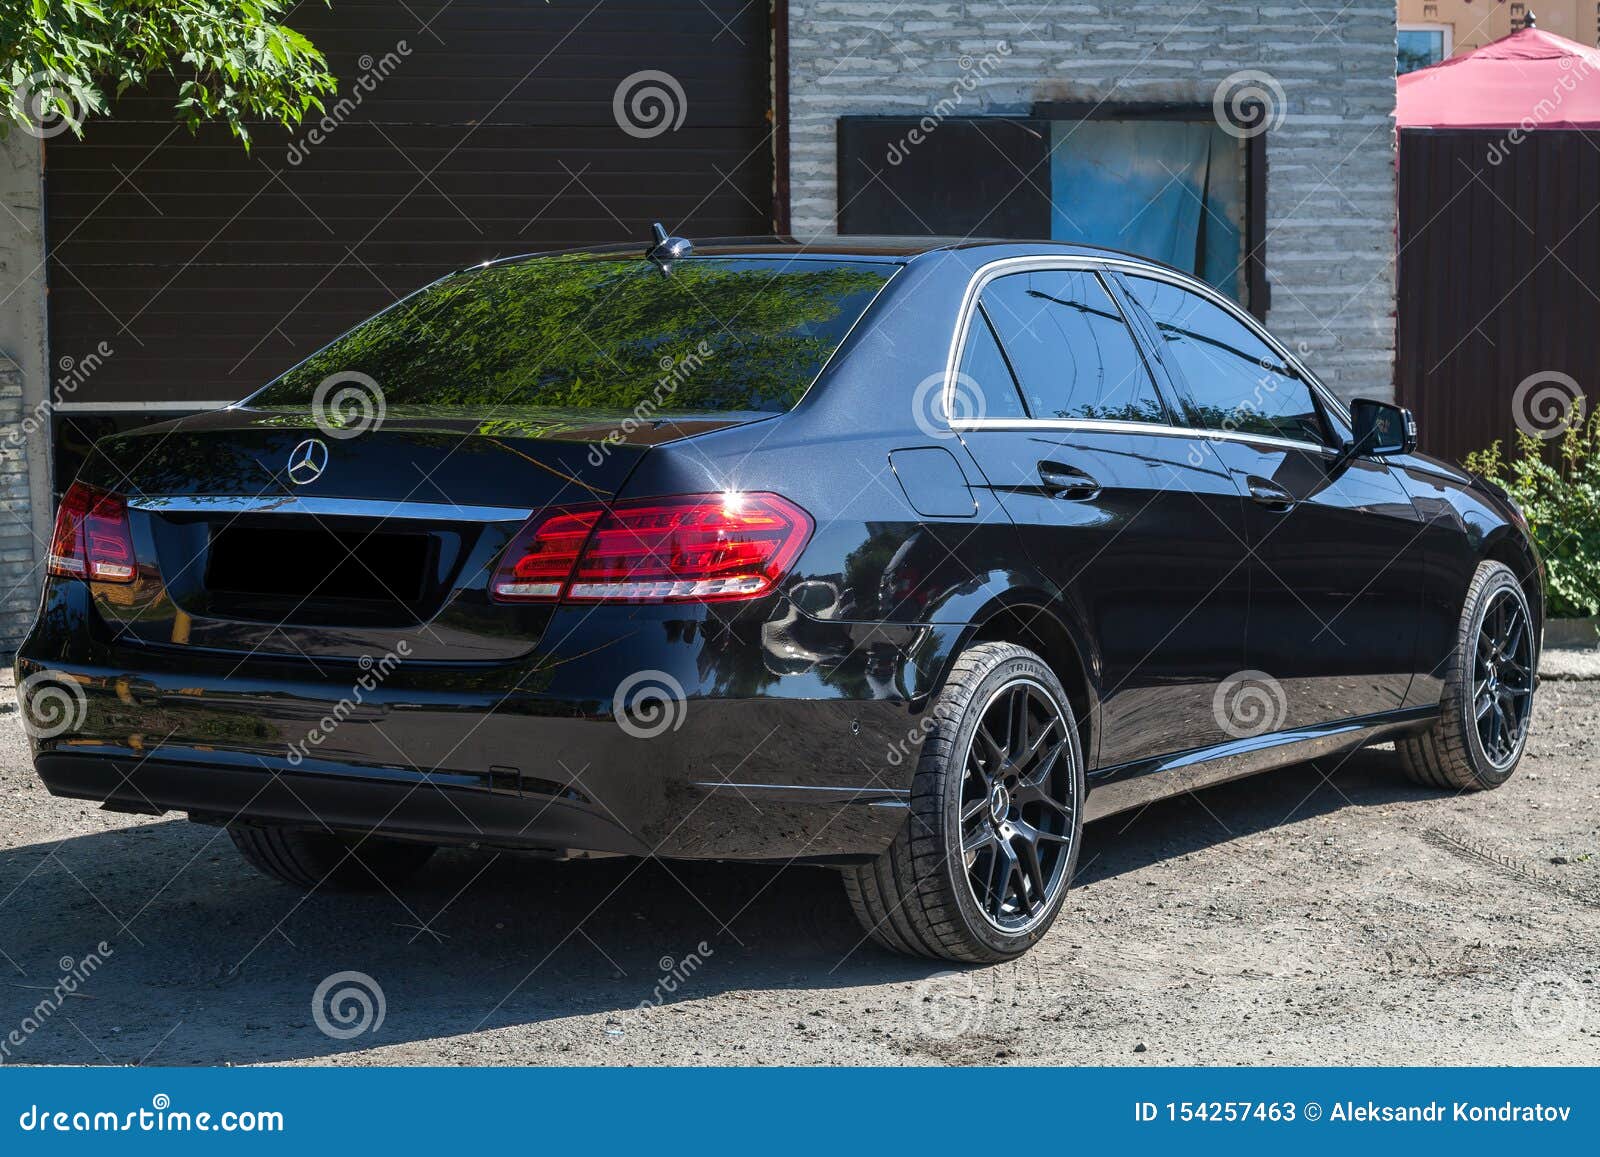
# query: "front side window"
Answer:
x=1236 y=382
x=1070 y=348
x=604 y=335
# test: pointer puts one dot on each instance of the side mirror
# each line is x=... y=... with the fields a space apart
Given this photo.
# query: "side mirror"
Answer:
x=1382 y=428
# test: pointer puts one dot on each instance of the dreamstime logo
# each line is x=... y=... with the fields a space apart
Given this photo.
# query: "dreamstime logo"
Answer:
x=73 y=373
x=649 y=703
x=675 y=974
x=946 y=1005
x=47 y=104
x=1548 y=1005
x=74 y=975
x=1249 y=703
x=675 y=371
x=348 y=404
x=934 y=408
x=1575 y=72
x=53 y=703
x=373 y=72
x=347 y=1004
x=1249 y=103
x=1546 y=403
x=903 y=749
x=1246 y=409
x=649 y=103
x=374 y=672
x=973 y=74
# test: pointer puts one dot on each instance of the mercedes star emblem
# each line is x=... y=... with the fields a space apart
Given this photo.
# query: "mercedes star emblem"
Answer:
x=307 y=461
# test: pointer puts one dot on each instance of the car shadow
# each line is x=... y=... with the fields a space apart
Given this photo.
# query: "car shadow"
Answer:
x=205 y=962
x=1199 y=820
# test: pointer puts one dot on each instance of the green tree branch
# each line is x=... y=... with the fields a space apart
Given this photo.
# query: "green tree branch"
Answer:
x=62 y=61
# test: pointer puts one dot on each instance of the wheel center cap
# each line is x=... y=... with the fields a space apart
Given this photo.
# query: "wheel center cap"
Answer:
x=999 y=802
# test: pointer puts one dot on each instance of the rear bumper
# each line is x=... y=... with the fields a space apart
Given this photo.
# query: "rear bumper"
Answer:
x=657 y=799
x=393 y=802
x=754 y=762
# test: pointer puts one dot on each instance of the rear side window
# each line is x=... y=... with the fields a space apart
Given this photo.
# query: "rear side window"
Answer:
x=1070 y=347
x=985 y=375
x=1236 y=381
x=598 y=334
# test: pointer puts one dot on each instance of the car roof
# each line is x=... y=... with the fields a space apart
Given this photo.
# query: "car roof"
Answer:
x=896 y=250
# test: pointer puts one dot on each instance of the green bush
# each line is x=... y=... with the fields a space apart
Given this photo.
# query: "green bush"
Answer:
x=1559 y=492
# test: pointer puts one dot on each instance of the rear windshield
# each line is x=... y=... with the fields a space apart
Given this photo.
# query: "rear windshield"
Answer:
x=587 y=333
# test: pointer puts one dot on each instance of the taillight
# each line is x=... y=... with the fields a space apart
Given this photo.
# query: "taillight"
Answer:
x=540 y=558
x=695 y=548
x=92 y=539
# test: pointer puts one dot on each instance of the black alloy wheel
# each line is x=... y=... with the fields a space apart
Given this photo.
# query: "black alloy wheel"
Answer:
x=1486 y=706
x=982 y=866
x=1502 y=692
x=1017 y=805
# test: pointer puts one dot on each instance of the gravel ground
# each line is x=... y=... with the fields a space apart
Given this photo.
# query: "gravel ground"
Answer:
x=1325 y=914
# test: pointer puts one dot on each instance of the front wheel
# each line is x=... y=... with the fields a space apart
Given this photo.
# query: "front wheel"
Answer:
x=1487 y=705
x=982 y=866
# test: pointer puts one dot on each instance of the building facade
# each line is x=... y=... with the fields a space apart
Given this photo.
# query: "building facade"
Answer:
x=1251 y=141
x=1324 y=71
x=1435 y=30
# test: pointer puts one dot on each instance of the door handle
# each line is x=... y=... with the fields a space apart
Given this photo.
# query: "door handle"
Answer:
x=1269 y=494
x=1067 y=481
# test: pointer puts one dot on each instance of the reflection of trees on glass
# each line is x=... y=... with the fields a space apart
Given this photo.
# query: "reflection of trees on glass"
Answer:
x=604 y=334
x=1248 y=418
x=1141 y=410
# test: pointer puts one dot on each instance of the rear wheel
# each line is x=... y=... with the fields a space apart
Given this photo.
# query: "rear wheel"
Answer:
x=309 y=859
x=982 y=866
x=1487 y=705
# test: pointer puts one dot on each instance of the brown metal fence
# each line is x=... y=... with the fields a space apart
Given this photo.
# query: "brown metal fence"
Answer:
x=1499 y=278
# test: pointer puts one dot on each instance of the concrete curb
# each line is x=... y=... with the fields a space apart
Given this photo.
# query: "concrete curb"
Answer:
x=1577 y=634
x=1568 y=663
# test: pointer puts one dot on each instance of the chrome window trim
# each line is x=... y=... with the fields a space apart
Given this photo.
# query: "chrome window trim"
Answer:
x=330 y=507
x=987 y=273
x=1108 y=425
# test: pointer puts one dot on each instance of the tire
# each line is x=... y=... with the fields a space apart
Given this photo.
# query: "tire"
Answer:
x=308 y=860
x=921 y=896
x=1453 y=753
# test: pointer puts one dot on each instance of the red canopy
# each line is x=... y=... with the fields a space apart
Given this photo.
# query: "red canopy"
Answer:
x=1530 y=79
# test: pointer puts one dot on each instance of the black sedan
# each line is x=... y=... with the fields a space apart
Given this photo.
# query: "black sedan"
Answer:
x=905 y=558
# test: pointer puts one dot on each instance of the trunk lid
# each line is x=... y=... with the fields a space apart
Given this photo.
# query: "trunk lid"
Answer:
x=387 y=550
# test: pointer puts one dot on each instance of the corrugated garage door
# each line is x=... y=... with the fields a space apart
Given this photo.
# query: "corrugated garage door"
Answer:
x=206 y=271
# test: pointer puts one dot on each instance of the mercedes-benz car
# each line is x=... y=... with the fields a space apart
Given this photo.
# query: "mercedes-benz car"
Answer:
x=906 y=558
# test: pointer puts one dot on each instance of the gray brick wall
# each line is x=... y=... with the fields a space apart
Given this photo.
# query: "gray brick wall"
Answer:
x=18 y=589
x=1330 y=203
x=25 y=508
